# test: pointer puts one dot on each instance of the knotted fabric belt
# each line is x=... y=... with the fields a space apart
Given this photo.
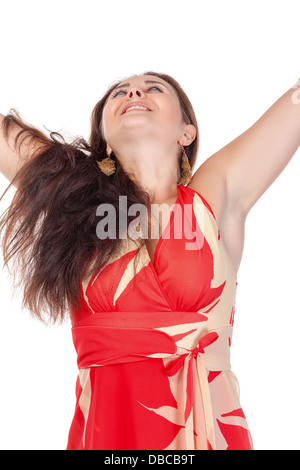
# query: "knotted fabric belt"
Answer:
x=101 y=345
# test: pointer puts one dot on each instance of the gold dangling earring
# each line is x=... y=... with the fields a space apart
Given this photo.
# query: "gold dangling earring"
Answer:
x=187 y=172
x=107 y=166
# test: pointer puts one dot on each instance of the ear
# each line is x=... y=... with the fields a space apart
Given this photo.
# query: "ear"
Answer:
x=188 y=136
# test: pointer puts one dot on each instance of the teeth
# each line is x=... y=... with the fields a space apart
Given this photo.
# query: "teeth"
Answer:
x=136 y=107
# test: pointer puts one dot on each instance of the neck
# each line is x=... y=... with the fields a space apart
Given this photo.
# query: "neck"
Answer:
x=153 y=167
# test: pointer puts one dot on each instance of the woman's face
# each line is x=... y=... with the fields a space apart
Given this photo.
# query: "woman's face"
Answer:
x=142 y=107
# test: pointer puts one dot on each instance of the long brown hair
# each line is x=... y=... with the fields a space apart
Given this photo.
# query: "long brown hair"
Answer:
x=50 y=225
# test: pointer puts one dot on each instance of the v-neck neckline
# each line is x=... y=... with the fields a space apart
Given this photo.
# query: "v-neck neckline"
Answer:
x=161 y=238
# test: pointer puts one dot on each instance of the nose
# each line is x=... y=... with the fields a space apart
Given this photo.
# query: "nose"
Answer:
x=135 y=91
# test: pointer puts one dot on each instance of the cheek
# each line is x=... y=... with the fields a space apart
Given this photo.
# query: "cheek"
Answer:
x=106 y=123
x=172 y=110
x=172 y=120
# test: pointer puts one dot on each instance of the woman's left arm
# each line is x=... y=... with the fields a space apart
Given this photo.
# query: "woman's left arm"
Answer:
x=250 y=163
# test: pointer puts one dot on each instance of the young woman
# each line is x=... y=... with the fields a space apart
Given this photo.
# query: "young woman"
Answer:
x=151 y=301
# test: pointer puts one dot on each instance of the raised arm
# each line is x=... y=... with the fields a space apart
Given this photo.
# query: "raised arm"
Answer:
x=11 y=156
x=248 y=165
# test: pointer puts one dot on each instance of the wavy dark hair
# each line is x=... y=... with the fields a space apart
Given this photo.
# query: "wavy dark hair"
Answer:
x=50 y=226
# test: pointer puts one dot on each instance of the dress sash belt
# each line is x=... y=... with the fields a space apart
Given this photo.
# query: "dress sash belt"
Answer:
x=99 y=345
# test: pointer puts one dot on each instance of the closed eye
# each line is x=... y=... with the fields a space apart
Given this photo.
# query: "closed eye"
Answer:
x=159 y=89
x=117 y=92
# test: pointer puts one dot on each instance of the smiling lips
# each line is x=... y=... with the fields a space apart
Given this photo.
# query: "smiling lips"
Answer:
x=136 y=106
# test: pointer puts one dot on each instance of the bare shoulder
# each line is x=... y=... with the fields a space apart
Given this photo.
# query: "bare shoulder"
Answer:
x=209 y=181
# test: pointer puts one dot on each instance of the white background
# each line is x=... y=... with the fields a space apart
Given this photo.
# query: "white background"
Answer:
x=234 y=59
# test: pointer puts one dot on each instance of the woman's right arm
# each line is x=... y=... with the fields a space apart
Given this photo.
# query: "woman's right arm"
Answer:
x=11 y=156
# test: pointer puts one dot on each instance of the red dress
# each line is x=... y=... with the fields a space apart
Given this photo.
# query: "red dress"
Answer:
x=154 y=344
